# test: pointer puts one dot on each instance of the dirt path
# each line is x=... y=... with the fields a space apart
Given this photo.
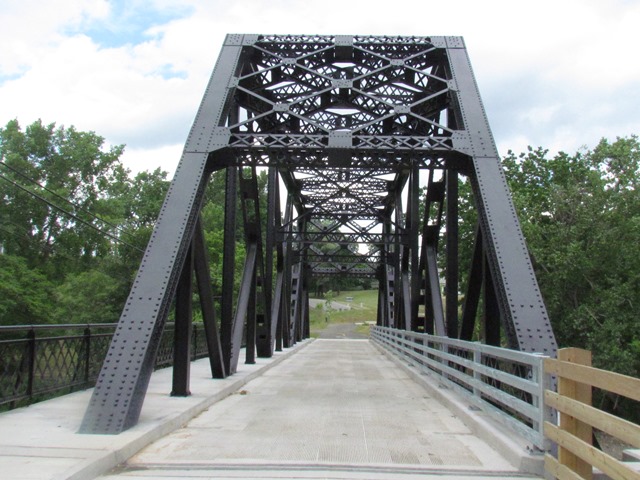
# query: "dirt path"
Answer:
x=340 y=330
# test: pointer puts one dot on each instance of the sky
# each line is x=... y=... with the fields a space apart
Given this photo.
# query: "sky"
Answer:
x=556 y=74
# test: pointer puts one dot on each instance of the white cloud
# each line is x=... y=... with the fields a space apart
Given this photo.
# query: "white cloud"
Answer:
x=551 y=73
x=140 y=159
x=516 y=143
x=31 y=29
x=106 y=90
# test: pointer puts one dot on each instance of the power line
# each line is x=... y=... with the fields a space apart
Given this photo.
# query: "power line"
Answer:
x=70 y=214
x=64 y=251
x=76 y=207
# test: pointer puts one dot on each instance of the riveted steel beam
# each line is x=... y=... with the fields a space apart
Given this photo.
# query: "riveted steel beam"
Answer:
x=347 y=125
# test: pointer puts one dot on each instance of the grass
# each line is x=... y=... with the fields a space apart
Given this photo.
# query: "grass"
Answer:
x=363 y=309
x=364 y=328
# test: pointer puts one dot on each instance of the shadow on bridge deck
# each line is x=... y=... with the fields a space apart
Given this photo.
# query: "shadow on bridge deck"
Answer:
x=338 y=409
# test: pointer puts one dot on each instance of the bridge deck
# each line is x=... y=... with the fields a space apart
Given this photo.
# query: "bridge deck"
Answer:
x=326 y=409
x=337 y=405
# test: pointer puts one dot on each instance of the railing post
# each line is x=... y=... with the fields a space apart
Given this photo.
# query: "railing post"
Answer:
x=182 y=336
x=87 y=352
x=544 y=413
x=26 y=377
x=581 y=393
x=477 y=360
x=194 y=347
x=418 y=347
x=406 y=344
x=31 y=336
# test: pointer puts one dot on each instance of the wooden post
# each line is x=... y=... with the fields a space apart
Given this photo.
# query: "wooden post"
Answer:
x=582 y=393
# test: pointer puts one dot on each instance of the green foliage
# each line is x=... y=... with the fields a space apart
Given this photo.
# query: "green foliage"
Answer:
x=213 y=218
x=581 y=217
x=364 y=308
x=328 y=305
x=55 y=164
x=59 y=261
x=87 y=297
x=25 y=295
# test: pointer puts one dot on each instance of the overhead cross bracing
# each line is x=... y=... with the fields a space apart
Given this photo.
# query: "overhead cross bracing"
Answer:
x=349 y=128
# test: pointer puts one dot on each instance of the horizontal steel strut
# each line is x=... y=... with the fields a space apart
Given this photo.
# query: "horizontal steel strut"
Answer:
x=349 y=126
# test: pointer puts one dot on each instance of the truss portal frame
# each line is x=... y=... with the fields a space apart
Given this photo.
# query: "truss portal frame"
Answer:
x=350 y=126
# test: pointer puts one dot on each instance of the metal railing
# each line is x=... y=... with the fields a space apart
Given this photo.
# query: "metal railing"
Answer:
x=43 y=361
x=507 y=384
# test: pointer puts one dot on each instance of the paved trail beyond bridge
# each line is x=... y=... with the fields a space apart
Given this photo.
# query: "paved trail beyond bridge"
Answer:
x=336 y=409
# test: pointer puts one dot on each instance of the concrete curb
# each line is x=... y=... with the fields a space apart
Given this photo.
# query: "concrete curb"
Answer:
x=146 y=433
x=513 y=447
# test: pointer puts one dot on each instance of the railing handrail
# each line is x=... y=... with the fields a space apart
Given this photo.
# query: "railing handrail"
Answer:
x=595 y=377
x=505 y=353
x=422 y=350
x=432 y=354
x=64 y=326
x=53 y=326
x=573 y=434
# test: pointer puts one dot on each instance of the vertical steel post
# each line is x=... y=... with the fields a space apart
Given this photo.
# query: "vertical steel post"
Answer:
x=381 y=319
x=183 y=329
x=250 y=348
x=194 y=340
x=414 y=237
x=212 y=336
x=389 y=274
x=491 y=309
x=228 y=265
x=451 y=286
x=287 y=340
x=278 y=301
x=434 y=293
x=400 y=315
x=474 y=288
x=265 y=341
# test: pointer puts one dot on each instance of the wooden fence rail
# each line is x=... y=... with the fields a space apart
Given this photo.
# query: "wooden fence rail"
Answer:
x=576 y=455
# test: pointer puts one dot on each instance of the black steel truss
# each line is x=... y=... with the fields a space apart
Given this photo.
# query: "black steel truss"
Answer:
x=351 y=127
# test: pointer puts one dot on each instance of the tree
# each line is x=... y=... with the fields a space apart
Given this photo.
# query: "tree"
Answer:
x=72 y=222
x=580 y=215
x=26 y=295
x=138 y=203
x=87 y=297
x=50 y=178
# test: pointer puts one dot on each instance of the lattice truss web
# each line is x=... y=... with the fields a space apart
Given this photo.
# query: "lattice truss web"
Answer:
x=374 y=93
x=363 y=88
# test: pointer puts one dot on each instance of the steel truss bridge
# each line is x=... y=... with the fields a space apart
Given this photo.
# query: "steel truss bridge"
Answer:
x=349 y=128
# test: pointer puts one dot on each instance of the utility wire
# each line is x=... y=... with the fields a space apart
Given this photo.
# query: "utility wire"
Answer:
x=70 y=214
x=26 y=177
x=64 y=252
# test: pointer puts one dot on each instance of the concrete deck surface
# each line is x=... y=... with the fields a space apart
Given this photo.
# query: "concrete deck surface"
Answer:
x=339 y=409
x=41 y=441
